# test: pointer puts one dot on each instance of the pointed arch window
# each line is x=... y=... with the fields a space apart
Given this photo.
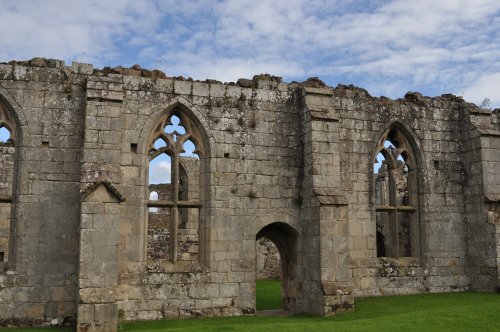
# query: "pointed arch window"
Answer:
x=175 y=152
x=396 y=197
x=8 y=157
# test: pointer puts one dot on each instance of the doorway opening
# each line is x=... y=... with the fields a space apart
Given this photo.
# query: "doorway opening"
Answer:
x=276 y=252
x=267 y=275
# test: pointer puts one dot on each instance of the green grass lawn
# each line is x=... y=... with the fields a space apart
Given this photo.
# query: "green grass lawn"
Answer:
x=428 y=312
x=268 y=295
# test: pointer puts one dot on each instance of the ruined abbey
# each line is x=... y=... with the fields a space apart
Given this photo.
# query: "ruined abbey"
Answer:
x=129 y=195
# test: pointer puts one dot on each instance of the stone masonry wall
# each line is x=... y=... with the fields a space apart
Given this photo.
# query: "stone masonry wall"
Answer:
x=291 y=162
x=253 y=139
x=433 y=126
x=47 y=101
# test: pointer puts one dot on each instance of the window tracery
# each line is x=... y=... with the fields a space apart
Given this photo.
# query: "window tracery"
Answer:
x=396 y=197
x=175 y=152
x=7 y=169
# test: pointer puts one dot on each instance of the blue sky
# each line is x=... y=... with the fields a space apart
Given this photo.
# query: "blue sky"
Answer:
x=160 y=167
x=386 y=47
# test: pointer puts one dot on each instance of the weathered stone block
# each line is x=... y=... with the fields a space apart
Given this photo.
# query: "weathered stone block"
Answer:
x=106 y=312
x=183 y=87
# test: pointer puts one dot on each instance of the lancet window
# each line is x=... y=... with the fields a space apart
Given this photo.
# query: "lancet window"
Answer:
x=396 y=197
x=175 y=156
x=7 y=170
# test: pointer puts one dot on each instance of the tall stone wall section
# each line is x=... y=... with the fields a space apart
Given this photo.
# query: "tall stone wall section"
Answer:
x=290 y=162
x=47 y=100
x=433 y=124
x=481 y=142
x=99 y=234
x=252 y=165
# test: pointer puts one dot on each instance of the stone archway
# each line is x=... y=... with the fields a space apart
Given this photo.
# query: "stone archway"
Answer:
x=284 y=238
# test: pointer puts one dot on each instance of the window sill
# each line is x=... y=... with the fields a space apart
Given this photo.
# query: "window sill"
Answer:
x=166 y=266
x=402 y=208
x=402 y=267
x=401 y=261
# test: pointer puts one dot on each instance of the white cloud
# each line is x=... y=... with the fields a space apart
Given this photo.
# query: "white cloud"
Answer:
x=230 y=69
x=159 y=172
x=486 y=86
x=388 y=47
x=72 y=30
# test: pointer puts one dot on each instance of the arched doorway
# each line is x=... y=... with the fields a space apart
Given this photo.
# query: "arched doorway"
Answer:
x=284 y=238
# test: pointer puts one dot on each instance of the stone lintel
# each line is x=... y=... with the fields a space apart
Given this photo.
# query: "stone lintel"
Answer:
x=317 y=91
x=322 y=113
x=5 y=199
x=330 y=196
x=477 y=110
x=487 y=130
x=101 y=99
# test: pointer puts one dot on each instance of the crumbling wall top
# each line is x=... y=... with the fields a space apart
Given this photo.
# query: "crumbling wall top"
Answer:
x=261 y=81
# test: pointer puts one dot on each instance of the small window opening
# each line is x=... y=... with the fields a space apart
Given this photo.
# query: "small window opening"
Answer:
x=160 y=143
x=2 y=256
x=175 y=128
x=133 y=147
x=389 y=145
x=189 y=150
x=4 y=135
x=153 y=196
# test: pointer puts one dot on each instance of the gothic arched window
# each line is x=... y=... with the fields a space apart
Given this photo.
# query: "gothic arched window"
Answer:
x=176 y=154
x=396 y=197
x=7 y=170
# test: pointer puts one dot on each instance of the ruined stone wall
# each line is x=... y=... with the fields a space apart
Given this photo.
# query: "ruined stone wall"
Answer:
x=268 y=260
x=434 y=127
x=159 y=220
x=250 y=174
x=481 y=197
x=290 y=162
x=47 y=102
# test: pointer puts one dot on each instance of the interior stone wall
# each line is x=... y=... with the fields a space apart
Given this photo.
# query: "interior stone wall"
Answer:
x=268 y=260
x=47 y=102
